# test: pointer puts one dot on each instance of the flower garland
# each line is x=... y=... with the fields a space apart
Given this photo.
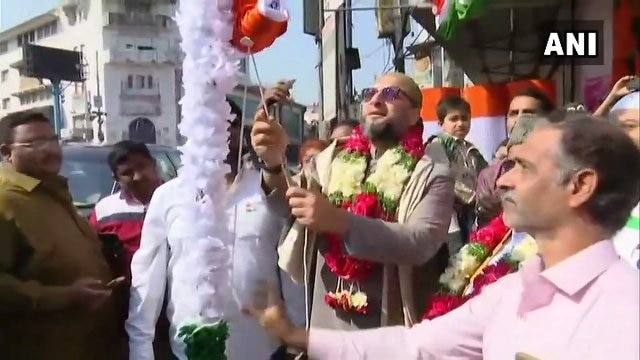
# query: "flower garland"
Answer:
x=466 y=263
x=376 y=197
x=209 y=73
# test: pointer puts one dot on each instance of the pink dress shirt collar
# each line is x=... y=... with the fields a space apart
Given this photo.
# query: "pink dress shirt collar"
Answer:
x=569 y=276
x=585 y=307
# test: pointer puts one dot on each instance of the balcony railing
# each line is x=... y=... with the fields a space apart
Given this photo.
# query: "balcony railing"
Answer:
x=143 y=56
x=138 y=19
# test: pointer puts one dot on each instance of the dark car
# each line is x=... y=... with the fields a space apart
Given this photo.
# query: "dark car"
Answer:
x=90 y=178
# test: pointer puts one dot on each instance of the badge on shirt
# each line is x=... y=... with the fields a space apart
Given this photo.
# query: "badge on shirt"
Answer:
x=250 y=207
x=523 y=356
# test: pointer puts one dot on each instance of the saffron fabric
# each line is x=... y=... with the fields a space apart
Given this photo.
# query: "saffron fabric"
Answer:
x=585 y=307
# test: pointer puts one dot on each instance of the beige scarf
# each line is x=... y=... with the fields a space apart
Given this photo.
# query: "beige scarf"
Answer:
x=296 y=250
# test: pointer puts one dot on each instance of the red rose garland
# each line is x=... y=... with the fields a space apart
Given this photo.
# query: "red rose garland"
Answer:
x=482 y=243
x=368 y=203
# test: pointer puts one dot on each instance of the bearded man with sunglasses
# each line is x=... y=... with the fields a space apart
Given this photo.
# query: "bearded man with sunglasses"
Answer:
x=54 y=301
x=371 y=212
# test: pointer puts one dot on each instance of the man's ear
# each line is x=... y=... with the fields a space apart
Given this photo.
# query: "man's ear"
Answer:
x=5 y=152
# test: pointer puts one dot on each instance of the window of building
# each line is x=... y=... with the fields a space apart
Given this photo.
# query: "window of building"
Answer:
x=140 y=81
x=4 y=47
x=130 y=82
x=4 y=75
x=40 y=33
x=6 y=102
x=150 y=82
x=32 y=36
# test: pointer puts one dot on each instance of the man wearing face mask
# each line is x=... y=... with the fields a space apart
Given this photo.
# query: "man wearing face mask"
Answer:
x=373 y=216
x=54 y=302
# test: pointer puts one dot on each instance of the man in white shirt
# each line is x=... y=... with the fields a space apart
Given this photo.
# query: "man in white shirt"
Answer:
x=165 y=236
x=627 y=113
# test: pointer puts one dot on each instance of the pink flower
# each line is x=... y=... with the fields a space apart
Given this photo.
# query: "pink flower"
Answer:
x=490 y=235
x=442 y=304
x=490 y=274
x=366 y=205
x=412 y=142
x=358 y=143
x=331 y=300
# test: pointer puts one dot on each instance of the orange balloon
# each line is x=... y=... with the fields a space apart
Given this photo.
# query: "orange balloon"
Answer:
x=252 y=23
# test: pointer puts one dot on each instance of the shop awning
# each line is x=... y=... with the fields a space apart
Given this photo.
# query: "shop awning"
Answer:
x=487 y=48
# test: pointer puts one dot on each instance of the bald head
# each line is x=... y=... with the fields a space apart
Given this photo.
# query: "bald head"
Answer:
x=391 y=107
x=405 y=83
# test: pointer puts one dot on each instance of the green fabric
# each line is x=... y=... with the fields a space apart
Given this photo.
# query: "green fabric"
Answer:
x=205 y=341
x=463 y=10
x=634 y=223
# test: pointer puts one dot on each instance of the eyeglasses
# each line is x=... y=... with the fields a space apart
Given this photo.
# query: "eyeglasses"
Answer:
x=40 y=144
x=387 y=94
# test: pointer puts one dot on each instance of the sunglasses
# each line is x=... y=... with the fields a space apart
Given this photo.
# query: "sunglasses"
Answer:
x=387 y=94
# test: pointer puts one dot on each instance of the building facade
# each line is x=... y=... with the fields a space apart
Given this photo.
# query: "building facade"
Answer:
x=132 y=69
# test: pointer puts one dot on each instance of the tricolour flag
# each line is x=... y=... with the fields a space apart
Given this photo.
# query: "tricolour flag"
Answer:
x=450 y=13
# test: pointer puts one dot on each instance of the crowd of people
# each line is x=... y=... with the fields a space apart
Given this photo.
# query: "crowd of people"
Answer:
x=384 y=245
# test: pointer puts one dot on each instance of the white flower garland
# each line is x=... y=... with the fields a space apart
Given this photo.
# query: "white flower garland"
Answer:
x=209 y=73
x=389 y=177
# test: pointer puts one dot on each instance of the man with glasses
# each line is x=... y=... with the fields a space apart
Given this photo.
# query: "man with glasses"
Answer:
x=373 y=217
x=54 y=299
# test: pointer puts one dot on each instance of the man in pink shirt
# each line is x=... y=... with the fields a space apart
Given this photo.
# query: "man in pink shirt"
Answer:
x=571 y=186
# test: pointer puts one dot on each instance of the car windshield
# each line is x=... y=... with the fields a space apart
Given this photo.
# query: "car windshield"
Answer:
x=90 y=177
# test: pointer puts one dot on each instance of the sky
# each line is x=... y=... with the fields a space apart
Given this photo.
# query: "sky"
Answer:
x=293 y=56
x=15 y=12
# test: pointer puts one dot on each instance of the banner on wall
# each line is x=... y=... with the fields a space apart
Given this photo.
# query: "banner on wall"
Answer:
x=489 y=106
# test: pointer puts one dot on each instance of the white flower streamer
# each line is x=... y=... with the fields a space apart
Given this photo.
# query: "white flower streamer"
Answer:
x=210 y=70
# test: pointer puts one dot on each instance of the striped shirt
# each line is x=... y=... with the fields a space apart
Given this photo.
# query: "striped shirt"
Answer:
x=122 y=215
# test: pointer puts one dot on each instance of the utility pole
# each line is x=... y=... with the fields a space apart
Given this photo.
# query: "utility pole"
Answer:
x=348 y=34
x=56 y=89
x=97 y=102
x=398 y=40
x=321 y=104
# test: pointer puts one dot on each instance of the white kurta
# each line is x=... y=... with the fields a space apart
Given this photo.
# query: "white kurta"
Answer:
x=627 y=240
x=165 y=235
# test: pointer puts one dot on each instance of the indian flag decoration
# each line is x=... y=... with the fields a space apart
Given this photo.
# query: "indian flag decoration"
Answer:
x=489 y=106
x=450 y=13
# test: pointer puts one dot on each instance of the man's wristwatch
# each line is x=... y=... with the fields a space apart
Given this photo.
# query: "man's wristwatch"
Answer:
x=274 y=170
